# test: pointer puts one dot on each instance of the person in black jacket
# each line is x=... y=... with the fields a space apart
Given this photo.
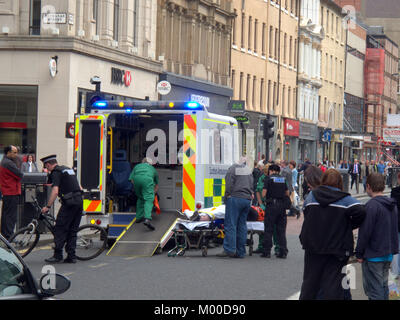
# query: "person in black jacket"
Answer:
x=395 y=194
x=378 y=239
x=330 y=215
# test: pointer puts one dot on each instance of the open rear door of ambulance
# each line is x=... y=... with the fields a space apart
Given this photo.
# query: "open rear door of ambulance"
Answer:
x=90 y=145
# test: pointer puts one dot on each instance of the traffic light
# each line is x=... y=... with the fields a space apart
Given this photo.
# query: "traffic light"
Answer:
x=94 y=100
x=268 y=128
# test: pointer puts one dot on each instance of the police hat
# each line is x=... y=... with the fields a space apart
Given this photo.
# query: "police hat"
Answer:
x=49 y=158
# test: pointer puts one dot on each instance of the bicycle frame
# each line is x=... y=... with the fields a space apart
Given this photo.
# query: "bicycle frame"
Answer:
x=48 y=220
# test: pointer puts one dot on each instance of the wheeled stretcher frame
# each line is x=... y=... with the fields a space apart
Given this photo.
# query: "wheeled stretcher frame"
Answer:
x=198 y=238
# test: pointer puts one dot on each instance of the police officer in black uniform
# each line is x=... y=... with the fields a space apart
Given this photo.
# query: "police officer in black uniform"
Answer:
x=276 y=194
x=66 y=186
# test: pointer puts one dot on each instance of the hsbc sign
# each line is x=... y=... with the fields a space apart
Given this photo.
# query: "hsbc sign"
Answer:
x=121 y=77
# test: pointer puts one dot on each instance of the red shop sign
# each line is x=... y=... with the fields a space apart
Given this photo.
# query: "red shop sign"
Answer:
x=291 y=128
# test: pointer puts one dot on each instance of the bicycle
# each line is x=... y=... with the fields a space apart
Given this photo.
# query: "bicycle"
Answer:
x=91 y=239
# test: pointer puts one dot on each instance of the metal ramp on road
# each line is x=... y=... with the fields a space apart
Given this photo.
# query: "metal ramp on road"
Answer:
x=138 y=240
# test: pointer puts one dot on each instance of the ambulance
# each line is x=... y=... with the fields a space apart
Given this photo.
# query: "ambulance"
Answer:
x=191 y=148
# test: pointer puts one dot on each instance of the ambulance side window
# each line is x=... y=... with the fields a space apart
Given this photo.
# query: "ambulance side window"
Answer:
x=217 y=146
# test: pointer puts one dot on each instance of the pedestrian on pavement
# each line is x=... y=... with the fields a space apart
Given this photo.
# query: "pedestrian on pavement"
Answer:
x=381 y=167
x=238 y=194
x=395 y=194
x=29 y=165
x=303 y=168
x=10 y=187
x=261 y=203
x=312 y=178
x=374 y=166
x=354 y=171
x=277 y=201
x=364 y=170
x=145 y=183
x=287 y=173
x=65 y=185
x=327 y=237
x=344 y=165
x=257 y=173
x=378 y=239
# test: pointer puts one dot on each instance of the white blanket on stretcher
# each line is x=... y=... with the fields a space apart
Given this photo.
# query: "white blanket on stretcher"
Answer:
x=214 y=213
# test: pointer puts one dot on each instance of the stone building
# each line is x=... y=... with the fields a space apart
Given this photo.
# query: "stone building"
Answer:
x=49 y=51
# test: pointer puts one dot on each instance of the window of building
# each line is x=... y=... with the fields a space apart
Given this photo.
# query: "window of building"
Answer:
x=322 y=16
x=276 y=44
x=248 y=90
x=241 y=86
x=262 y=95
x=292 y=6
x=332 y=24
x=255 y=35
x=295 y=54
x=35 y=17
x=264 y=27
x=242 y=30
x=327 y=21
x=253 y=98
x=283 y=102
x=96 y=16
x=269 y=96
x=274 y=97
x=271 y=41
x=250 y=33
x=290 y=51
x=116 y=20
x=285 y=48
x=234 y=29
x=289 y=105
x=18 y=117
x=233 y=80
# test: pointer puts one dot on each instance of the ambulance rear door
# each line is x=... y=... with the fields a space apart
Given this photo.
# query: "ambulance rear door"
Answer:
x=90 y=153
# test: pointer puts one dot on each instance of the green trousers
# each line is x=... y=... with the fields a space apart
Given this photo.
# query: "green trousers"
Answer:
x=144 y=189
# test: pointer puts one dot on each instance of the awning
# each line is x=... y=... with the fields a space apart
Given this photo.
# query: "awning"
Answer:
x=355 y=138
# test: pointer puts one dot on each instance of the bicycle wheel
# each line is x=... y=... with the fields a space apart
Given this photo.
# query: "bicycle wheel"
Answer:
x=24 y=240
x=91 y=242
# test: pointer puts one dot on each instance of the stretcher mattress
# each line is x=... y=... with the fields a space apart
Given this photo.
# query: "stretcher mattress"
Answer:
x=192 y=225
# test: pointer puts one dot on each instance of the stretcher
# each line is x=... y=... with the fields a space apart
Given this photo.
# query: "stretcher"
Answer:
x=198 y=234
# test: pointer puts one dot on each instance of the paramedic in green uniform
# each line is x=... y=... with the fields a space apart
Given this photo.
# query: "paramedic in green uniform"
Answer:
x=145 y=182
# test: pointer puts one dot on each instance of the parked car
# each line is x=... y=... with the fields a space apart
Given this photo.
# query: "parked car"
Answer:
x=18 y=283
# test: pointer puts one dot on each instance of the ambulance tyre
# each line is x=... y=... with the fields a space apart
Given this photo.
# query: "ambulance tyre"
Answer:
x=204 y=251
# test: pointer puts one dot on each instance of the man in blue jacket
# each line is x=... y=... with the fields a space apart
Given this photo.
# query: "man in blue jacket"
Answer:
x=377 y=239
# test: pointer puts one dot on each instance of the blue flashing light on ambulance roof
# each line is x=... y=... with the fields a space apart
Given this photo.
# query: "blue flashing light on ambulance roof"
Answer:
x=193 y=105
x=100 y=104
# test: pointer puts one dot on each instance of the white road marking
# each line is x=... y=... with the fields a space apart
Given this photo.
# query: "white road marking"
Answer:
x=99 y=265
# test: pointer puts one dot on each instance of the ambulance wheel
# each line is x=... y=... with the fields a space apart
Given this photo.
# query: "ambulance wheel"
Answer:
x=181 y=253
x=204 y=251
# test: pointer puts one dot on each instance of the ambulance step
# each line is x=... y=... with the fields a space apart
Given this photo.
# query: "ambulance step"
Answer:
x=138 y=240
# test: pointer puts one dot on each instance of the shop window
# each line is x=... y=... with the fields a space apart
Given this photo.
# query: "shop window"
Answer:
x=18 y=117
x=34 y=17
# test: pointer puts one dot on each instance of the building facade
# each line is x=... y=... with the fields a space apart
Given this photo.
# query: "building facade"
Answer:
x=309 y=77
x=353 y=118
x=264 y=67
x=193 y=43
x=331 y=94
x=49 y=51
x=381 y=89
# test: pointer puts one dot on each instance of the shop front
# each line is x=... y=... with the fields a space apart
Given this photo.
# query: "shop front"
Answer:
x=308 y=137
x=40 y=92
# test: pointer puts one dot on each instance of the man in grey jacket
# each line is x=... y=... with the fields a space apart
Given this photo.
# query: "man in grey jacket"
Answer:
x=238 y=195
